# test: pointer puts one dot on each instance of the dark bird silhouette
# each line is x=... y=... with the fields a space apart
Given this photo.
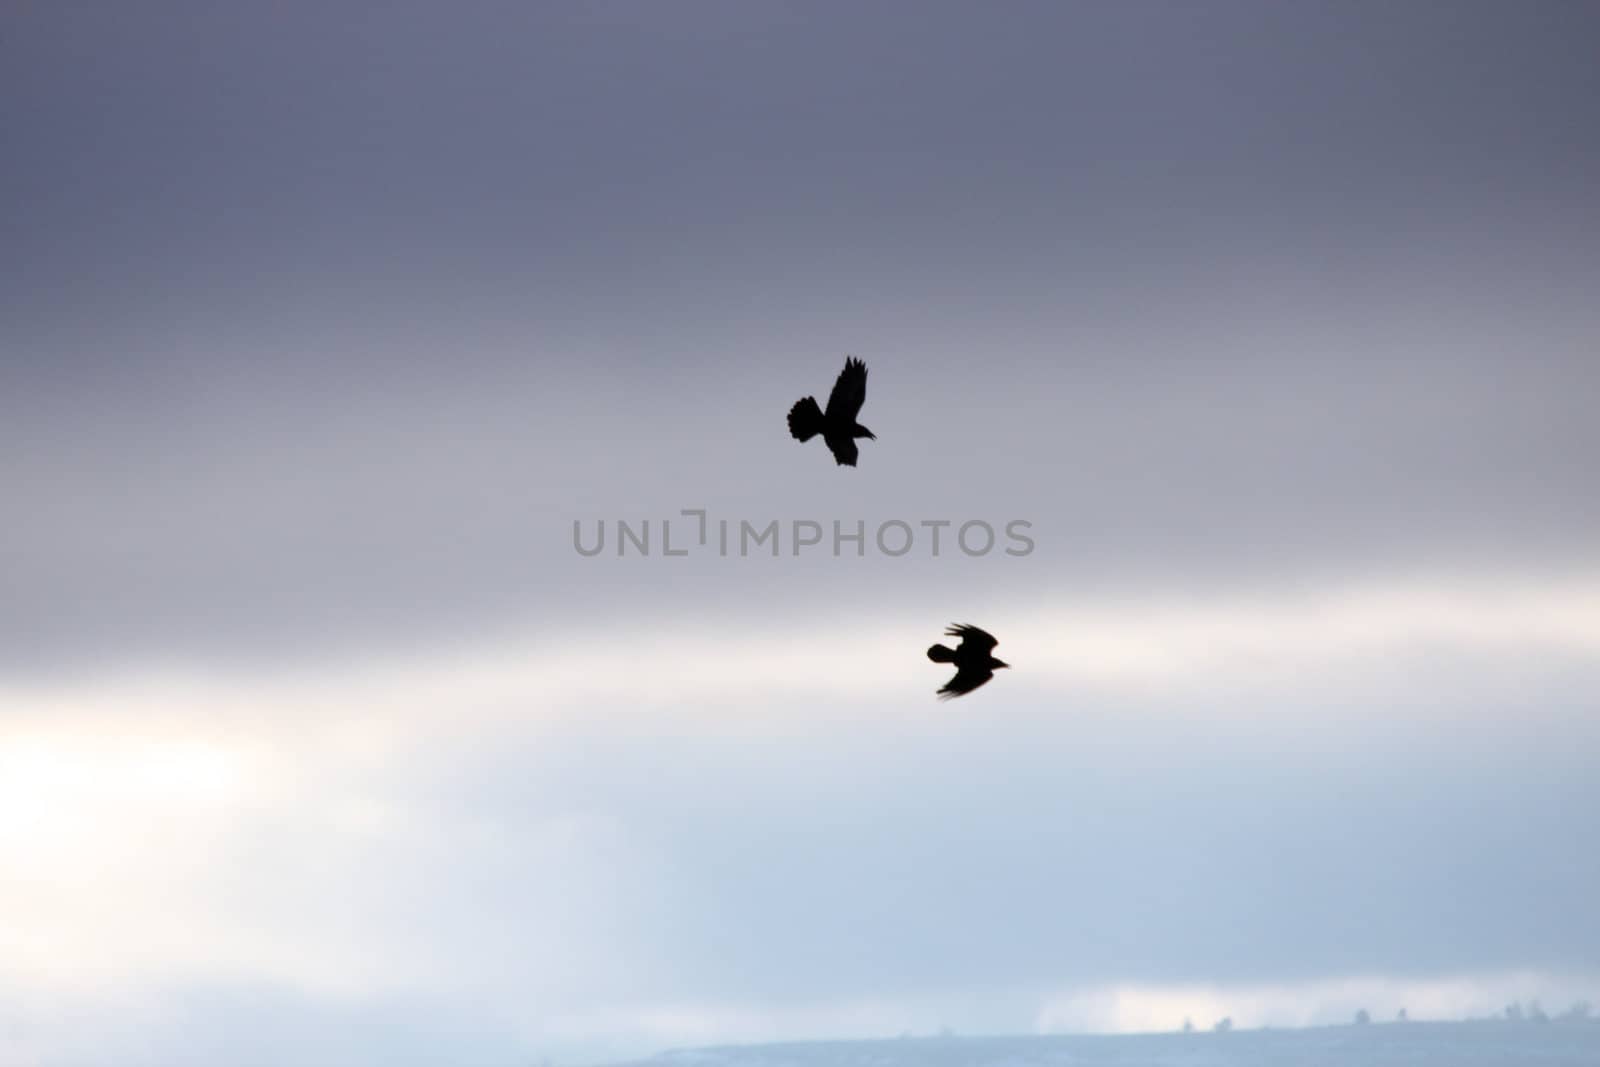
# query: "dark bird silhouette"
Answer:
x=973 y=657
x=837 y=425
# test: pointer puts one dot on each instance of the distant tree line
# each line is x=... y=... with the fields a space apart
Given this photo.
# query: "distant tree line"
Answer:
x=1579 y=1011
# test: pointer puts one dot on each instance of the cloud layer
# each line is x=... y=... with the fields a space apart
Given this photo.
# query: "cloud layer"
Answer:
x=1276 y=323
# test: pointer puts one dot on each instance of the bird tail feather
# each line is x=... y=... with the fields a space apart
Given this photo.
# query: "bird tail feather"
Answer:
x=940 y=654
x=805 y=419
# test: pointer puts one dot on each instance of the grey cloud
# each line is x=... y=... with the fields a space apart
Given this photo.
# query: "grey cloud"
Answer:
x=277 y=518
x=331 y=325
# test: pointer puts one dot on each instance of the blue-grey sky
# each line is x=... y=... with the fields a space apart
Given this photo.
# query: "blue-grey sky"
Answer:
x=319 y=327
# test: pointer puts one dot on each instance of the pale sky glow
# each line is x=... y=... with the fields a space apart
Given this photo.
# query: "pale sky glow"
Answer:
x=120 y=796
x=1146 y=644
x=320 y=743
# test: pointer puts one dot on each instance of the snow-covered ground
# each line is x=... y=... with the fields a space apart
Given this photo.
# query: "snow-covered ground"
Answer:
x=1415 y=1044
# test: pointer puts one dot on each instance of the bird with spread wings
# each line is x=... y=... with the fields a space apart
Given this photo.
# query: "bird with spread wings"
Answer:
x=837 y=424
x=973 y=657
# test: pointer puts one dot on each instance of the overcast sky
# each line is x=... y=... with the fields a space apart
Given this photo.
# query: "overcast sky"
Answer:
x=321 y=326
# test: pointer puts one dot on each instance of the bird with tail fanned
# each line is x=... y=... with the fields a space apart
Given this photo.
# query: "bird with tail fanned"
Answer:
x=837 y=423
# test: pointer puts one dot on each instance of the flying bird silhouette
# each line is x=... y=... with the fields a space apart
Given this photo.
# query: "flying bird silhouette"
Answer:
x=837 y=425
x=973 y=657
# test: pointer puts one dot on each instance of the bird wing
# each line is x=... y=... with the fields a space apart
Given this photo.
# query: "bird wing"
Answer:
x=849 y=392
x=965 y=681
x=972 y=636
x=845 y=452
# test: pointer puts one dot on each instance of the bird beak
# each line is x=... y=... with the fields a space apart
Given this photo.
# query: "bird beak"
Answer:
x=1002 y=664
